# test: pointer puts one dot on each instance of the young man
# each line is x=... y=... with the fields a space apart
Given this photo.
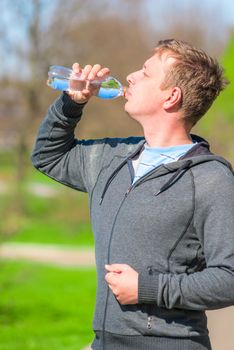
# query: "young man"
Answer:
x=162 y=206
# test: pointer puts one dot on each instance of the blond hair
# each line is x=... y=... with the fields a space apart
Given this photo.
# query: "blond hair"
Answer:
x=198 y=75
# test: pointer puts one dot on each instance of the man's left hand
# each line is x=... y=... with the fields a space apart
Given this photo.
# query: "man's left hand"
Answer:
x=122 y=279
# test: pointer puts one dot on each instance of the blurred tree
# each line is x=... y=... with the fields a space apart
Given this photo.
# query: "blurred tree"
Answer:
x=118 y=34
x=200 y=23
x=87 y=31
x=76 y=30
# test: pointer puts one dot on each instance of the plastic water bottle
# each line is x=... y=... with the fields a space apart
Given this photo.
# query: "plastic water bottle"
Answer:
x=62 y=78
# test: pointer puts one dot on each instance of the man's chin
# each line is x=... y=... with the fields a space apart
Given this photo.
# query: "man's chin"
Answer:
x=129 y=113
x=127 y=110
x=127 y=107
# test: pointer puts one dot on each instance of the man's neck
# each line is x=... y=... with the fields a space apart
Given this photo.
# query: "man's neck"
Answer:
x=167 y=134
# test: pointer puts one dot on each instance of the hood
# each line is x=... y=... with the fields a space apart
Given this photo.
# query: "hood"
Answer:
x=199 y=153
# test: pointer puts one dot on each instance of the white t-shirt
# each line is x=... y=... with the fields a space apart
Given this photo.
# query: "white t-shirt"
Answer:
x=151 y=157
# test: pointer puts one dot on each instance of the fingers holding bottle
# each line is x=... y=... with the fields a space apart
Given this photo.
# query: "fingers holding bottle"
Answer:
x=86 y=82
x=77 y=86
x=98 y=73
x=76 y=68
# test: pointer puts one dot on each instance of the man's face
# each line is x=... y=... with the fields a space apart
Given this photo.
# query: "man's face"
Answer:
x=144 y=96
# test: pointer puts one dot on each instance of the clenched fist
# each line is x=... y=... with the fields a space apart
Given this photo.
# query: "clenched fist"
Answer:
x=122 y=279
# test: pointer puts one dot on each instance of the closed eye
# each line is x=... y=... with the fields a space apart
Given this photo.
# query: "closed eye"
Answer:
x=145 y=74
x=144 y=71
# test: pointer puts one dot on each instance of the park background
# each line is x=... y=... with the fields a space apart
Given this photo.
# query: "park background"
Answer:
x=50 y=306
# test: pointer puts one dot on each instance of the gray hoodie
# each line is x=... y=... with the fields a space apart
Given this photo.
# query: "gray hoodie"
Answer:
x=174 y=226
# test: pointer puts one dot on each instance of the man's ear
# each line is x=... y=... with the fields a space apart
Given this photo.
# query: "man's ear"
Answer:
x=173 y=99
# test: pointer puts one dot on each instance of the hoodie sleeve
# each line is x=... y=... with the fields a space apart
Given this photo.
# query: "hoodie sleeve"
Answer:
x=213 y=287
x=58 y=154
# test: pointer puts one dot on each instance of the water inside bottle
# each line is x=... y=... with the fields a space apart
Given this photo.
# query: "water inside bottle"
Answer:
x=58 y=83
x=60 y=78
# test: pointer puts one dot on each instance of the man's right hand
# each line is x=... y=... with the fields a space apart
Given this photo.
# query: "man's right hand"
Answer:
x=86 y=75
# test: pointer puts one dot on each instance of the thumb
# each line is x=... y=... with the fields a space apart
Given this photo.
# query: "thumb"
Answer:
x=117 y=268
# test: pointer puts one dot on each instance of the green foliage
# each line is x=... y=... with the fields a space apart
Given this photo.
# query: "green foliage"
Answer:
x=45 y=308
x=225 y=104
x=217 y=126
x=110 y=83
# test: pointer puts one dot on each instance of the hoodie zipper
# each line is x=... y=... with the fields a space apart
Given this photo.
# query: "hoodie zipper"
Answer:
x=108 y=262
x=115 y=172
x=110 y=241
x=110 y=179
x=179 y=172
x=112 y=176
x=183 y=168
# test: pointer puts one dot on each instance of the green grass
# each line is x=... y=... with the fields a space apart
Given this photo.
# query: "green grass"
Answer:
x=37 y=231
x=63 y=219
x=27 y=217
x=44 y=307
